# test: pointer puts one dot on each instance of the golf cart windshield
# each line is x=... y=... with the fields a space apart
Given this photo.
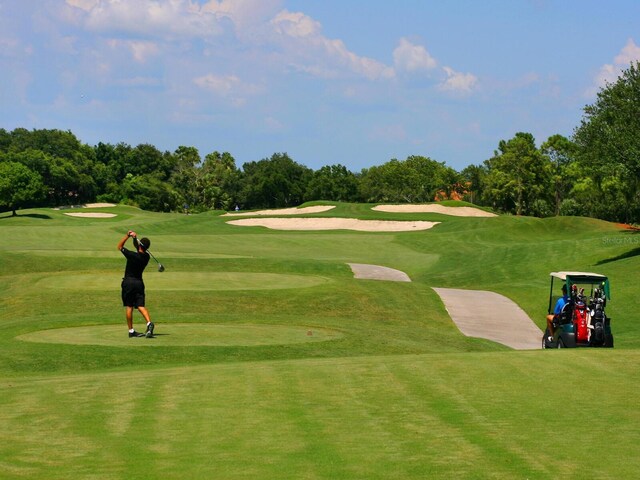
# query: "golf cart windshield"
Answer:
x=587 y=280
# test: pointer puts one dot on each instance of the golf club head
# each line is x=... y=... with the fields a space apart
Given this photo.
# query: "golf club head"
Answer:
x=160 y=267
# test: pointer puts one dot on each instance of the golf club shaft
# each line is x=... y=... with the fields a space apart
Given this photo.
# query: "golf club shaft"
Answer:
x=153 y=257
x=135 y=239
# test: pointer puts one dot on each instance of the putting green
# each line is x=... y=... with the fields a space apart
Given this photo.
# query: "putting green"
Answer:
x=185 y=334
x=190 y=281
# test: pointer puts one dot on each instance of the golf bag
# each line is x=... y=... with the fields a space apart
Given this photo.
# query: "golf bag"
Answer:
x=599 y=320
x=579 y=317
x=580 y=324
x=597 y=324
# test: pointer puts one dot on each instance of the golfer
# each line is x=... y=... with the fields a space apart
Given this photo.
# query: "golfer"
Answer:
x=562 y=301
x=132 y=283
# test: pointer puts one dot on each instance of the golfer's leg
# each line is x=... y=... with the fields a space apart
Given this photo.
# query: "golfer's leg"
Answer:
x=550 y=324
x=129 y=314
x=145 y=313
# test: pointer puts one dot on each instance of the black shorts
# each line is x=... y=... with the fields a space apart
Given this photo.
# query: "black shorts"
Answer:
x=132 y=292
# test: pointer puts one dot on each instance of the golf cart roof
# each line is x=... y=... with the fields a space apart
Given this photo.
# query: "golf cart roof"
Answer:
x=579 y=276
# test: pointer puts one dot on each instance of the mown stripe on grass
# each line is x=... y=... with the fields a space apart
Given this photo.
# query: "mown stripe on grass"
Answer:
x=442 y=416
x=189 y=281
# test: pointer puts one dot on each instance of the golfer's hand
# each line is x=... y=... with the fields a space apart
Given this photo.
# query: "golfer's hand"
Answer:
x=132 y=233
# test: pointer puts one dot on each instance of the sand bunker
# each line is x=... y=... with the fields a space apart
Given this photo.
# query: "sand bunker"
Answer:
x=434 y=208
x=283 y=211
x=333 y=224
x=99 y=205
x=91 y=215
x=86 y=205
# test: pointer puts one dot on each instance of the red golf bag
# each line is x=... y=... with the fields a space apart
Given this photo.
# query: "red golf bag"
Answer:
x=581 y=322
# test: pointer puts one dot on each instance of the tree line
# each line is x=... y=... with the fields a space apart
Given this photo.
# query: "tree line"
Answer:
x=594 y=173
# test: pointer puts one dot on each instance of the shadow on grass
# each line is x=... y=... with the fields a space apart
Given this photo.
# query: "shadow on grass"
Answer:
x=631 y=253
x=41 y=216
x=630 y=237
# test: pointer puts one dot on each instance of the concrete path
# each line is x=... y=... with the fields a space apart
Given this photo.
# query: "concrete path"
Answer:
x=476 y=313
x=376 y=272
x=492 y=316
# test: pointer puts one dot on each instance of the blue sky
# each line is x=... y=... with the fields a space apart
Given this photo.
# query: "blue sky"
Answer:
x=354 y=82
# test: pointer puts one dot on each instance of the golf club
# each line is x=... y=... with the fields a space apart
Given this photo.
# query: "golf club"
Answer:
x=160 y=266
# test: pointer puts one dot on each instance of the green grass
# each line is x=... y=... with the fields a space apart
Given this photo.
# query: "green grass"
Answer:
x=276 y=363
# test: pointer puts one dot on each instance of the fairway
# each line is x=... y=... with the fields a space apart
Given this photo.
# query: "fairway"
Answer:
x=275 y=357
x=191 y=281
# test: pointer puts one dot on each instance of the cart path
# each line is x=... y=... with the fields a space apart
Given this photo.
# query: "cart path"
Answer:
x=477 y=313
x=376 y=272
x=489 y=315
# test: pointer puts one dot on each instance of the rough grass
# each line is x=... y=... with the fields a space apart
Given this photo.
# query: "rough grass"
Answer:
x=396 y=392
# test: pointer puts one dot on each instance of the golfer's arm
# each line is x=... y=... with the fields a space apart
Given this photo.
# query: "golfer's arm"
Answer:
x=122 y=242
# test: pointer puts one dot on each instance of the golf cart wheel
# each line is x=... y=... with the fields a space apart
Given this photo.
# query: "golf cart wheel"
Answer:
x=560 y=343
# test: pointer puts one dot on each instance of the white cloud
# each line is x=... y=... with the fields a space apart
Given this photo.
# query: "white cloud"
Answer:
x=140 y=50
x=295 y=24
x=630 y=53
x=609 y=73
x=367 y=67
x=148 y=17
x=412 y=58
x=259 y=25
x=310 y=51
x=245 y=14
x=83 y=4
x=457 y=82
x=235 y=39
x=229 y=87
x=415 y=59
x=143 y=50
x=221 y=85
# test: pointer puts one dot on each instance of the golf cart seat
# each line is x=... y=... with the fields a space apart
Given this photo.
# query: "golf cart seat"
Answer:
x=566 y=314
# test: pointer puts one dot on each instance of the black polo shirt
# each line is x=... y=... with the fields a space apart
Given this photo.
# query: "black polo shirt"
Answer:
x=136 y=263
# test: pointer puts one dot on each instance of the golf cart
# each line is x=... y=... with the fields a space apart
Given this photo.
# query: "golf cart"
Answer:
x=582 y=321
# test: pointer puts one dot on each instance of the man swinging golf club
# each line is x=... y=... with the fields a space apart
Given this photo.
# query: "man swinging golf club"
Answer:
x=132 y=283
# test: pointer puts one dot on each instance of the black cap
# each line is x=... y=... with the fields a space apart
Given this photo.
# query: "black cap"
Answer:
x=145 y=243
